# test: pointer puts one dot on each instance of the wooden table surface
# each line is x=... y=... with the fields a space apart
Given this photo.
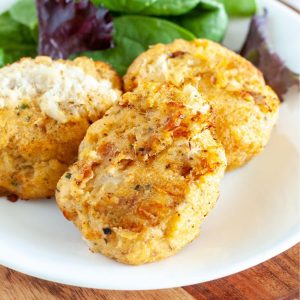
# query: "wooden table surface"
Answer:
x=277 y=278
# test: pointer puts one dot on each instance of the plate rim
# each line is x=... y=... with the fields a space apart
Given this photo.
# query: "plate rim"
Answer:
x=252 y=261
x=277 y=248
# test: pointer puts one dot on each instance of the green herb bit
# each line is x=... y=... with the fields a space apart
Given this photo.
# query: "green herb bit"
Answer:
x=24 y=106
x=68 y=175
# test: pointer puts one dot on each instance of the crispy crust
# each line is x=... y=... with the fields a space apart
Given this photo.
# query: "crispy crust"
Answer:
x=35 y=150
x=148 y=173
x=246 y=108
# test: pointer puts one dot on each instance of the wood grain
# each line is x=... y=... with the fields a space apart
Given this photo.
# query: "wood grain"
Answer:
x=277 y=278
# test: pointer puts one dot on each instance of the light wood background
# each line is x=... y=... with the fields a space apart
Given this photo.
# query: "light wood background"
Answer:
x=275 y=279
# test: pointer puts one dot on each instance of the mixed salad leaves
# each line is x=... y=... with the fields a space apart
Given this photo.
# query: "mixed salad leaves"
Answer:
x=67 y=27
x=257 y=49
x=117 y=31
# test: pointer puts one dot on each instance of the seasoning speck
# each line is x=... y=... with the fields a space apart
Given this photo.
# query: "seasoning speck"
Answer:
x=12 y=198
x=68 y=175
x=177 y=54
x=107 y=230
x=24 y=106
x=138 y=187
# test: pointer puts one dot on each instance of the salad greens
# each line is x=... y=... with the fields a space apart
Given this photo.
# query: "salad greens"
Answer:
x=209 y=20
x=187 y=19
x=176 y=7
x=133 y=35
x=150 y=7
x=170 y=7
x=257 y=49
x=16 y=40
x=24 y=12
x=66 y=27
x=184 y=19
x=125 y=6
x=69 y=26
x=240 y=7
x=1 y=57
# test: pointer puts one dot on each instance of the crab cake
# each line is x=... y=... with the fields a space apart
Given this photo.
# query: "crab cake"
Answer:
x=45 y=109
x=246 y=108
x=148 y=173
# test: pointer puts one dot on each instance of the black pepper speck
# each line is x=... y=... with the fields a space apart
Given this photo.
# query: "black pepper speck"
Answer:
x=107 y=230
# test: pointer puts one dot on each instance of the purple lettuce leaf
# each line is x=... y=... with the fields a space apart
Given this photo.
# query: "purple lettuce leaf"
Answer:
x=257 y=50
x=67 y=27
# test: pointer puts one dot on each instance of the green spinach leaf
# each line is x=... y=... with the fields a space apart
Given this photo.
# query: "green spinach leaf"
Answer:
x=1 y=57
x=150 y=7
x=241 y=7
x=16 y=40
x=170 y=7
x=24 y=12
x=133 y=35
x=125 y=6
x=209 y=20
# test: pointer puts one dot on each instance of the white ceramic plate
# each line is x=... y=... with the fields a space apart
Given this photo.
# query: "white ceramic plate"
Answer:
x=257 y=215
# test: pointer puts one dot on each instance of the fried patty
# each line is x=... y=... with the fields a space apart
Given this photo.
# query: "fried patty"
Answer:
x=148 y=173
x=246 y=108
x=45 y=109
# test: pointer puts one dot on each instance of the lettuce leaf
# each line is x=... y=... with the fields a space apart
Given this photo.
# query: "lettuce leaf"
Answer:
x=24 y=12
x=133 y=35
x=1 y=57
x=66 y=27
x=257 y=50
x=16 y=40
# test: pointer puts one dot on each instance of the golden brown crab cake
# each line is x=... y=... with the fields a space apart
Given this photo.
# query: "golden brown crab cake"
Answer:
x=147 y=175
x=246 y=108
x=45 y=109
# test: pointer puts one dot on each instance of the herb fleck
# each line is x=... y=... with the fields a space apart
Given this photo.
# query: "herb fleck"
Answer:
x=68 y=175
x=24 y=106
